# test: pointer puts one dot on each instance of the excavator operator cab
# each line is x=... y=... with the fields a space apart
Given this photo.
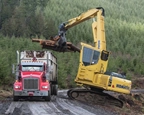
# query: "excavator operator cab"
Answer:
x=91 y=56
x=92 y=61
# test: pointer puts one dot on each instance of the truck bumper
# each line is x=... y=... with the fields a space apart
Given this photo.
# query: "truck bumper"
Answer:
x=30 y=93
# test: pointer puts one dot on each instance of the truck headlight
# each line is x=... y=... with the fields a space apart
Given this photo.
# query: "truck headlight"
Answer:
x=17 y=87
x=45 y=87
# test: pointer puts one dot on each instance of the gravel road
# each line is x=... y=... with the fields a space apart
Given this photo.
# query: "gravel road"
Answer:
x=59 y=105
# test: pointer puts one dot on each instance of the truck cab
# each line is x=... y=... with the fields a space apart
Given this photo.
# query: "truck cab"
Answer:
x=36 y=75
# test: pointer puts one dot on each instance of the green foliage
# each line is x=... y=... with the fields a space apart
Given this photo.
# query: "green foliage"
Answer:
x=6 y=9
x=67 y=68
x=4 y=66
x=124 y=27
x=22 y=19
x=8 y=48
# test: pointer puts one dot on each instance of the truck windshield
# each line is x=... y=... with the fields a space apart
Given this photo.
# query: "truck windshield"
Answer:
x=32 y=68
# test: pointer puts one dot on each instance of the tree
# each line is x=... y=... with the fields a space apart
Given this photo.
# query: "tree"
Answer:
x=6 y=9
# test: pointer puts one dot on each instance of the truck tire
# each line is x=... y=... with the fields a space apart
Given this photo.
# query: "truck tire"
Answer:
x=48 y=98
x=55 y=89
x=15 y=98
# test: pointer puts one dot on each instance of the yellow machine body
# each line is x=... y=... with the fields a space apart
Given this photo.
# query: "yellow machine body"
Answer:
x=92 y=70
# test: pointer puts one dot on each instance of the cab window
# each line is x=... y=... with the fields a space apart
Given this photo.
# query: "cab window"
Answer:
x=32 y=68
x=90 y=56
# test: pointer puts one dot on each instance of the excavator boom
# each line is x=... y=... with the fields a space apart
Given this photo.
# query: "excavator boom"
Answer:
x=59 y=42
x=92 y=13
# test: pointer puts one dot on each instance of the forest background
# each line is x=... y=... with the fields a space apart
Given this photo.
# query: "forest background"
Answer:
x=21 y=20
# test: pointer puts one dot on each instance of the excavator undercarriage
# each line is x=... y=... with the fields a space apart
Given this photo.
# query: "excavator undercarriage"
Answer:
x=94 y=97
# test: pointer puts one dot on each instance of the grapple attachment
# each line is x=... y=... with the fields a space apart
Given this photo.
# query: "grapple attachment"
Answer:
x=56 y=44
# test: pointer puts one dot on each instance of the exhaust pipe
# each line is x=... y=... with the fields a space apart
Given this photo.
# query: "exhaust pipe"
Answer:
x=17 y=57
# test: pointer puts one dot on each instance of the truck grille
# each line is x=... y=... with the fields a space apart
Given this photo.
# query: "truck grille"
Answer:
x=30 y=83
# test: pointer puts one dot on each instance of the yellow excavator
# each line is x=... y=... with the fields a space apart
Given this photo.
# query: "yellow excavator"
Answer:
x=92 y=73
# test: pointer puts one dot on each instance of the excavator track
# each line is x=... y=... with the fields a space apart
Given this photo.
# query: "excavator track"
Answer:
x=96 y=97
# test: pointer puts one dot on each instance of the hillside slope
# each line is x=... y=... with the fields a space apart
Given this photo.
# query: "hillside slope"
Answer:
x=124 y=27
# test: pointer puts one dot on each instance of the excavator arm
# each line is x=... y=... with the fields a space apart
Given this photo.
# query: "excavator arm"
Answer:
x=59 y=42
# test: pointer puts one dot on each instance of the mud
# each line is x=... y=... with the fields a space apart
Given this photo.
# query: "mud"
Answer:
x=62 y=105
x=23 y=110
x=4 y=104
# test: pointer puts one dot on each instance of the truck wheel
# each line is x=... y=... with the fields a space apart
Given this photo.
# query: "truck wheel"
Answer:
x=15 y=98
x=48 y=98
x=55 y=89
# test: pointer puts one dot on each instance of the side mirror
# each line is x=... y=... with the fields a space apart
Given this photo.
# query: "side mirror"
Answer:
x=104 y=55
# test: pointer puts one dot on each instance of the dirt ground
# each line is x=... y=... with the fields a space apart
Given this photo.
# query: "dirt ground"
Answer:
x=5 y=100
x=133 y=103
